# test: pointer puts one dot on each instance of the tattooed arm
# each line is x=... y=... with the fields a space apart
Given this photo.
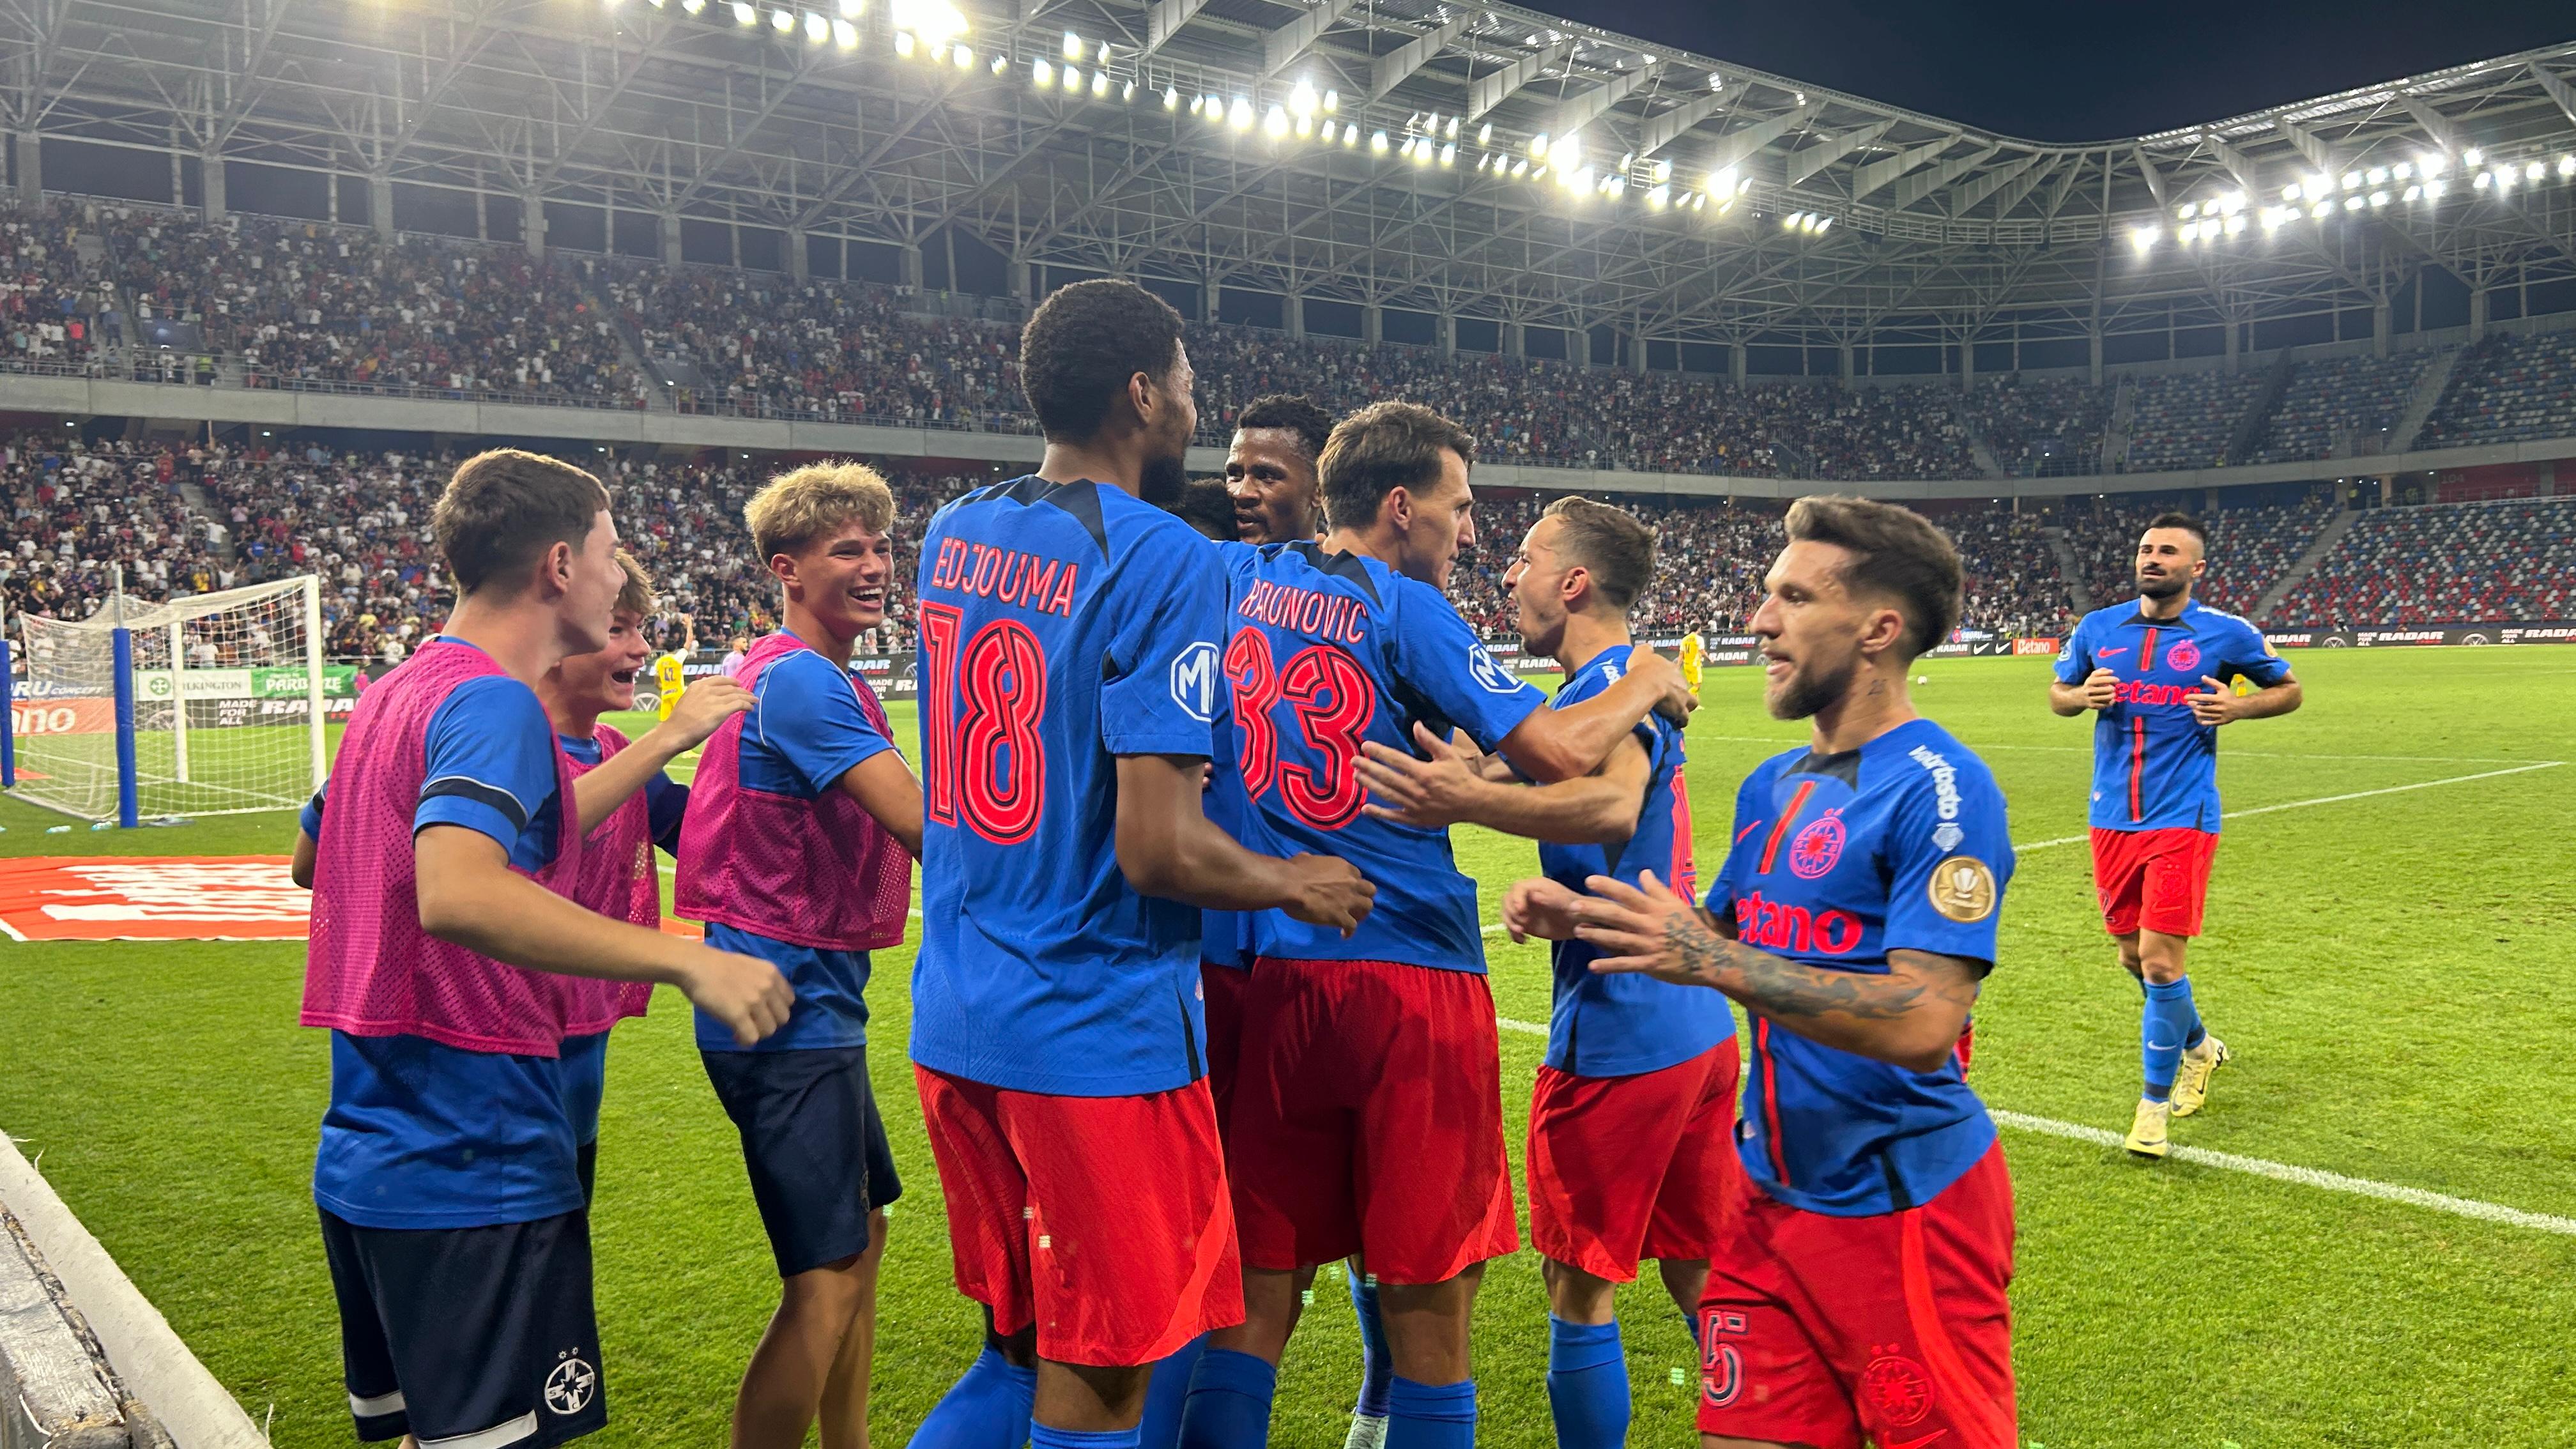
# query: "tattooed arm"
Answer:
x=1911 y=1016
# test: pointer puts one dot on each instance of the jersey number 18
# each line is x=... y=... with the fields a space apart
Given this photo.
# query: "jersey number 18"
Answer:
x=984 y=760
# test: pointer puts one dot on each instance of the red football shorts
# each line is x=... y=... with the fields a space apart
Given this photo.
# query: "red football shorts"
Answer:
x=1221 y=989
x=1368 y=1118
x=1827 y=1331
x=1105 y=1221
x=1643 y=1166
x=2155 y=879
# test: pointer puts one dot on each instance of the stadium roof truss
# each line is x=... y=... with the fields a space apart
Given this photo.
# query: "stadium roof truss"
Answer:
x=1486 y=162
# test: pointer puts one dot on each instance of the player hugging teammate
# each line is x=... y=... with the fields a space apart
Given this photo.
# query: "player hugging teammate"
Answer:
x=1200 y=1001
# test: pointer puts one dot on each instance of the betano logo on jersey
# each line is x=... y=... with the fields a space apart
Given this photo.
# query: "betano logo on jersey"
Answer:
x=1779 y=926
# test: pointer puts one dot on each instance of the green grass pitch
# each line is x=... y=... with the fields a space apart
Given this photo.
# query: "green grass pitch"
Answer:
x=2393 y=970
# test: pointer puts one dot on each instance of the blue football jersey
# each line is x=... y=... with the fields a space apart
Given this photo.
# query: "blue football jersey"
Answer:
x=1616 y=1026
x=1837 y=860
x=1062 y=625
x=1226 y=938
x=1326 y=651
x=2154 y=766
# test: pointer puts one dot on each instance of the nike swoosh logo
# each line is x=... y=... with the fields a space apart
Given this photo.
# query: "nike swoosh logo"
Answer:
x=1917 y=1443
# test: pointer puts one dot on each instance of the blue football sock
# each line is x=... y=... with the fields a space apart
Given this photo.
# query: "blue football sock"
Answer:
x=1587 y=1384
x=2162 y=1029
x=1043 y=1437
x=1166 y=1393
x=1431 y=1416
x=1377 y=1366
x=1229 y=1402
x=988 y=1408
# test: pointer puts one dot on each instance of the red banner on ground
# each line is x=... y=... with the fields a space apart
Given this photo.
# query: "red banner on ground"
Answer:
x=162 y=898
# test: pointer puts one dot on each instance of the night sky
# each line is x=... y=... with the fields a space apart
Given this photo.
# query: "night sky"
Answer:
x=2087 y=70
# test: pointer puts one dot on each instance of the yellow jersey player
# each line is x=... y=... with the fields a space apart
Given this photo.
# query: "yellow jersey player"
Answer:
x=1693 y=647
x=670 y=680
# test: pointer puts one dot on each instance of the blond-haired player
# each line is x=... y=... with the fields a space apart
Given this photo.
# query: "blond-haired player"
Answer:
x=798 y=846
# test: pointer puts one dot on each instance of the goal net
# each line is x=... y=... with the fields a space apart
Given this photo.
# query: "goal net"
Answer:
x=229 y=698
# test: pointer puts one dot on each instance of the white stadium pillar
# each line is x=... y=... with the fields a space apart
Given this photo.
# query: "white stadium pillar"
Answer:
x=2477 y=313
x=210 y=183
x=1735 y=360
x=380 y=203
x=31 y=168
x=798 y=264
x=2094 y=340
x=912 y=264
x=532 y=222
x=2380 y=327
x=670 y=238
x=1372 y=324
x=1293 y=313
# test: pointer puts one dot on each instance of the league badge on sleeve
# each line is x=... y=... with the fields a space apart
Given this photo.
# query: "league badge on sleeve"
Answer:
x=1963 y=889
x=1194 y=676
x=1489 y=671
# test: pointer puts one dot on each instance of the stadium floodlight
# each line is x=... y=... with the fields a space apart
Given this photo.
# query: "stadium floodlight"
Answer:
x=1041 y=73
x=1275 y=125
x=2434 y=164
x=1825 y=225
x=1302 y=99
x=744 y=15
x=1305 y=127
x=2434 y=189
x=1127 y=92
x=849 y=8
x=2378 y=199
x=1538 y=146
x=2504 y=178
x=1351 y=134
x=1239 y=115
x=2567 y=166
x=2187 y=211
x=2320 y=184
x=1213 y=107
x=2402 y=170
x=2235 y=224
x=2272 y=217
x=1001 y=62
x=782 y=21
x=2378 y=175
x=1485 y=134
x=2483 y=181
x=1449 y=153
x=2414 y=193
x=1790 y=222
x=2321 y=210
x=2231 y=203
x=1422 y=152
x=1332 y=101
x=817 y=29
x=1721 y=181
x=693 y=6
x=846 y=36
x=1378 y=142
x=1072 y=46
x=2473 y=156
x=1663 y=171
x=1451 y=131
x=2142 y=239
x=1100 y=83
x=903 y=43
x=2352 y=181
x=1520 y=168
x=1657 y=197
x=1171 y=97
x=1716 y=82
x=2291 y=192
x=2352 y=203
x=937 y=22
x=1566 y=150
x=2534 y=171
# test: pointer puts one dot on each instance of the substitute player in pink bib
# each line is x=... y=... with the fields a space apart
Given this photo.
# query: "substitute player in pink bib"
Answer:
x=2156 y=674
x=448 y=1172
x=803 y=824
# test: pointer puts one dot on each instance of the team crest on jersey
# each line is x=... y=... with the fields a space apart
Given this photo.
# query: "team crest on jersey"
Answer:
x=1817 y=847
x=1898 y=1388
x=1963 y=889
x=2184 y=655
x=1489 y=671
x=571 y=1387
x=1947 y=836
x=1194 y=676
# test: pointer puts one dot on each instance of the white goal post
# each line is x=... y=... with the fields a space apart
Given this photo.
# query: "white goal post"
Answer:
x=207 y=704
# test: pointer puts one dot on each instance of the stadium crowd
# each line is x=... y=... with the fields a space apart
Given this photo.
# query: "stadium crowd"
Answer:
x=265 y=302
x=2460 y=563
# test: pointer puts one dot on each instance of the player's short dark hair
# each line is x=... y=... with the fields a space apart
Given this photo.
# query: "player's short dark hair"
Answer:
x=1612 y=544
x=1084 y=343
x=1290 y=412
x=2183 y=521
x=1896 y=553
x=504 y=508
x=1380 y=448
x=1206 y=506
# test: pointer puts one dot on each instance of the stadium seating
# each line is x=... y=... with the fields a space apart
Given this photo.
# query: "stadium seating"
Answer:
x=2249 y=550
x=2340 y=407
x=2507 y=390
x=2185 y=419
x=2455 y=563
x=2042 y=428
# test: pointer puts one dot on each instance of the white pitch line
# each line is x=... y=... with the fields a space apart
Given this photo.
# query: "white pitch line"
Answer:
x=2020 y=847
x=2258 y=1167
